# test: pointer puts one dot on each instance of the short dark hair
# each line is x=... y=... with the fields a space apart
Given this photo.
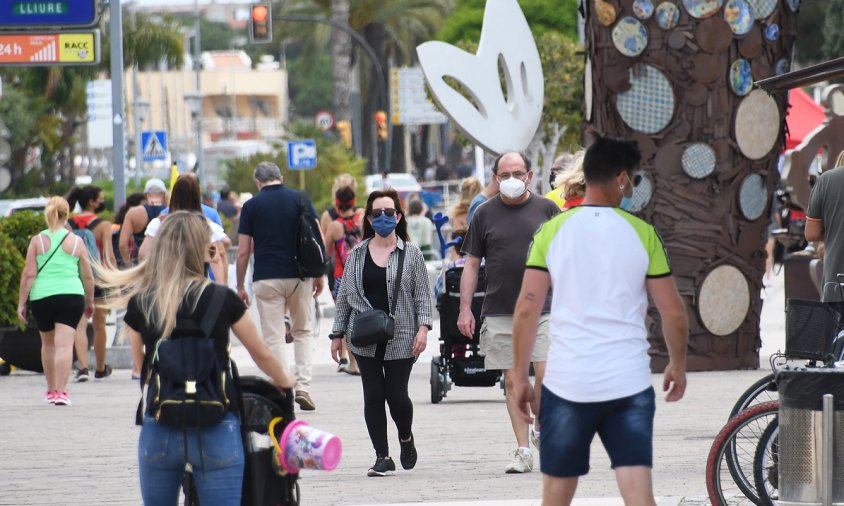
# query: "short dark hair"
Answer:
x=414 y=207
x=401 y=228
x=498 y=159
x=609 y=156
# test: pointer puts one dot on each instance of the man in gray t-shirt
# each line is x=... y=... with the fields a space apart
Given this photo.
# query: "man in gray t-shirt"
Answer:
x=825 y=222
x=501 y=232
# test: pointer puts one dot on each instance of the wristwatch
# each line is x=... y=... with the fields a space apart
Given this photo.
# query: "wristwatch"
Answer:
x=335 y=335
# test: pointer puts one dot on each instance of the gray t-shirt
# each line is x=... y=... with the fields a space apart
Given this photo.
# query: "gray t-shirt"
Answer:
x=825 y=204
x=502 y=234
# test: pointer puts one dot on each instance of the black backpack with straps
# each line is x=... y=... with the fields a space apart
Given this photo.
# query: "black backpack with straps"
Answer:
x=188 y=381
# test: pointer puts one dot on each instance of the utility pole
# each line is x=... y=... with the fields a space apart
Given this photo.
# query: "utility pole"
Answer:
x=197 y=64
x=117 y=106
x=136 y=121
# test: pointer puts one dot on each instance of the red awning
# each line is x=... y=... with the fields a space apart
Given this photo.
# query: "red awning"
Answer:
x=804 y=115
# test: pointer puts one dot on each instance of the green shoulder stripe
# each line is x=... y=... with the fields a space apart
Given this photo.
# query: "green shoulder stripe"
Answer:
x=652 y=243
x=542 y=239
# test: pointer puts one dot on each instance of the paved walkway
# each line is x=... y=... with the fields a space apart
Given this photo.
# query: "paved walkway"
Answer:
x=86 y=453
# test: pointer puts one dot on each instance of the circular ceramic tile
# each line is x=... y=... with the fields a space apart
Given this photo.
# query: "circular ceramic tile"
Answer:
x=833 y=100
x=648 y=105
x=587 y=89
x=793 y=4
x=605 y=12
x=782 y=66
x=667 y=15
x=702 y=8
x=698 y=160
x=757 y=124
x=630 y=36
x=643 y=190
x=724 y=300
x=763 y=8
x=772 y=32
x=753 y=197
x=739 y=15
x=741 y=77
x=643 y=9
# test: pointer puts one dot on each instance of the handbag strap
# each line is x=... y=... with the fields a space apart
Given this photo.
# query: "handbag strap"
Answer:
x=51 y=254
x=397 y=283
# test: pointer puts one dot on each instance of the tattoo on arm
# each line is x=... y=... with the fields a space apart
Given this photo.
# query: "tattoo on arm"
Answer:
x=530 y=296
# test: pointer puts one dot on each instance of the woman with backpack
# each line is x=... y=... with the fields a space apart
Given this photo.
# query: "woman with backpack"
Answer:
x=58 y=282
x=87 y=225
x=385 y=272
x=341 y=236
x=172 y=310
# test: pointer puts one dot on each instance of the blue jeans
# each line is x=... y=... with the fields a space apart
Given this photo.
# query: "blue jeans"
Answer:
x=217 y=462
x=624 y=425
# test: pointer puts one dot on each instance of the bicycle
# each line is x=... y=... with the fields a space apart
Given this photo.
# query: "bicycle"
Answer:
x=735 y=465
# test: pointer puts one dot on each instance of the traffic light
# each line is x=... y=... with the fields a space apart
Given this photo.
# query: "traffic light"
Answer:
x=344 y=132
x=261 y=23
x=381 y=125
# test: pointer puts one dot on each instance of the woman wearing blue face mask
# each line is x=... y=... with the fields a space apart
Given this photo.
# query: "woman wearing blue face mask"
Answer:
x=369 y=279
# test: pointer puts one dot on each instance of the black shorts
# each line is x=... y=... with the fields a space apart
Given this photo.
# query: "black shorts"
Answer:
x=64 y=309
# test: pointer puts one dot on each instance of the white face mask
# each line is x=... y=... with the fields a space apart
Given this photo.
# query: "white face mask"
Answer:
x=512 y=188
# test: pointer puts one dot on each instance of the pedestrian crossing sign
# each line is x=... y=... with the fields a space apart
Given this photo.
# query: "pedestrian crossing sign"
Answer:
x=154 y=144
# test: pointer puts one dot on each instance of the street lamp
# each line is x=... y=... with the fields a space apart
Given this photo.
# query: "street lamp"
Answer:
x=194 y=102
x=141 y=108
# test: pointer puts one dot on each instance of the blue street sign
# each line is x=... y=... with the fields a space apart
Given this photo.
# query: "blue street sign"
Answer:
x=154 y=145
x=301 y=154
x=44 y=13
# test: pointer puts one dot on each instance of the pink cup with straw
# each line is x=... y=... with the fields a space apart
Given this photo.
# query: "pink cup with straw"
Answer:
x=306 y=447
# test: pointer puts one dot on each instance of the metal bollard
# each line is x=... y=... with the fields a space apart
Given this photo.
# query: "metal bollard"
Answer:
x=828 y=450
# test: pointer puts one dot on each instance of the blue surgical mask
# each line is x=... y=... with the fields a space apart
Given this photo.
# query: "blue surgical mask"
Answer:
x=626 y=200
x=626 y=203
x=384 y=225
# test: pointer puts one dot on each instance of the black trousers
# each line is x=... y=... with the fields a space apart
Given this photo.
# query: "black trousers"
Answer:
x=385 y=380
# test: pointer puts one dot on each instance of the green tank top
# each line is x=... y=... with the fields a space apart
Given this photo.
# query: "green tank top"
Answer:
x=60 y=276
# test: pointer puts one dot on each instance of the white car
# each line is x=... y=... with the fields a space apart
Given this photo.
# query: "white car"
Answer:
x=10 y=207
x=400 y=181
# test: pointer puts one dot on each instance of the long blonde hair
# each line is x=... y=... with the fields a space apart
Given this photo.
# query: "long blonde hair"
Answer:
x=571 y=179
x=174 y=272
x=469 y=187
x=55 y=213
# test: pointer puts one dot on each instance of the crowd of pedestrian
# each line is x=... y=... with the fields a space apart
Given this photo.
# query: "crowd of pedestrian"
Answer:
x=584 y=265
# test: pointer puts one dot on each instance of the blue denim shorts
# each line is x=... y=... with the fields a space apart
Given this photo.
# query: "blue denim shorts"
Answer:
x=625 y=426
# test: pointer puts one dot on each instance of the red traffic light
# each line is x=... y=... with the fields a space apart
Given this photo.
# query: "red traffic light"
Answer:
x=261 y=23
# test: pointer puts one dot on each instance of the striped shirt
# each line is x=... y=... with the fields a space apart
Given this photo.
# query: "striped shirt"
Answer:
x=413 y=308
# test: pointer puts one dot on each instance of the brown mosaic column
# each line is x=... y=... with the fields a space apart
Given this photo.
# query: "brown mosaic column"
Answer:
x=677 y=76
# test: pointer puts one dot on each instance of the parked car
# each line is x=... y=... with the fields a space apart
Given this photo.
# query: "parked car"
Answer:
x=10 y=207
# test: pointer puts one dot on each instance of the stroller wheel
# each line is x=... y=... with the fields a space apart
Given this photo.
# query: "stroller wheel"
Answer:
x=436 y=382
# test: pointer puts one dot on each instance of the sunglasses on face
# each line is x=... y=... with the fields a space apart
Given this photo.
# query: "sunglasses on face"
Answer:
x=389 y=211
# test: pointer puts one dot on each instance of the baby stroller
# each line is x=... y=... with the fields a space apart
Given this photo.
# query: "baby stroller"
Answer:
x=459 y=362
x=260 y=402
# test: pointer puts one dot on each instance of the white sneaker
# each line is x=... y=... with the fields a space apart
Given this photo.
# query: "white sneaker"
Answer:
x=534 y=438
x=522 y=462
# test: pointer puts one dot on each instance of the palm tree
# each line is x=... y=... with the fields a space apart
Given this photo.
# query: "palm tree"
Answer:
x=393 y=28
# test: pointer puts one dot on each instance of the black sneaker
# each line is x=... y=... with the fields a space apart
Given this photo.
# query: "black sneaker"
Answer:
x=408 y=453
x=105 y=373
x=384 y=466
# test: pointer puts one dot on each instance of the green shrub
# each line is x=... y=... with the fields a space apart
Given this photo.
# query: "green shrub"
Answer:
x=20 y=227
x=11 y=266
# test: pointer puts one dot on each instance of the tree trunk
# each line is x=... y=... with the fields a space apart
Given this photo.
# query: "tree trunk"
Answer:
x=711 y=203
x=341 y=55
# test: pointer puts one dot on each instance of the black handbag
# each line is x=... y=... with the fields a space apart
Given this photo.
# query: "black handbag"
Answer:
x=374 y=326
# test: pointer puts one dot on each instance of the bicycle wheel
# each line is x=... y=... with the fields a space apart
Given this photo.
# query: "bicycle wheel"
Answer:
x=766 y=465
x=731 y=462
x=764 y=390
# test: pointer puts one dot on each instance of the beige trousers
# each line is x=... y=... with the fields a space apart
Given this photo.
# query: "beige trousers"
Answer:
x=275 y=298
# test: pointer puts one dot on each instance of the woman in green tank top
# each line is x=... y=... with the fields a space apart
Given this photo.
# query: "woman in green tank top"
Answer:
x=59 y=284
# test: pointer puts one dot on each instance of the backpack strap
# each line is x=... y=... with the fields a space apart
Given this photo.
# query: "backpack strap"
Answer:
x=213 y=311
x=93 y=224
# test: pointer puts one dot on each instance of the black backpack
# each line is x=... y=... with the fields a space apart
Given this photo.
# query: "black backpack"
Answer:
x=187 y=386
x=310 y=250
